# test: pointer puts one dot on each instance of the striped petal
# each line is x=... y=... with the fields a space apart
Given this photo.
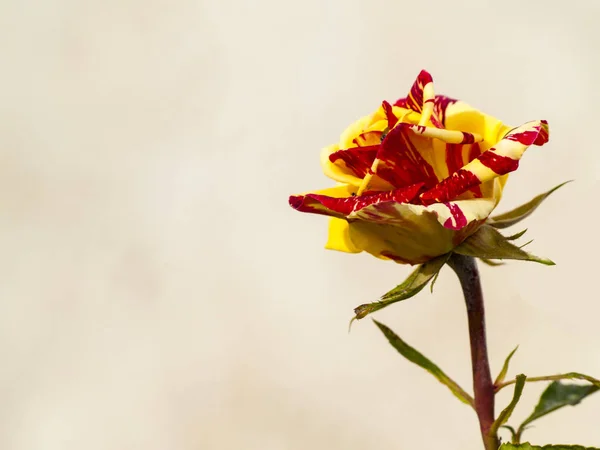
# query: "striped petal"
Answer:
x=350 y=160
x=337 y=170
x=499 y=160
x=440 y=106
x=448 y=150
x=421 y=97
x=340 y=201
x=357 y=160
x=401 y=162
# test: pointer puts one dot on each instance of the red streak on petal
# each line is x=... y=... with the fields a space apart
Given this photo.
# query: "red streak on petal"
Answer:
x=296 y=201
x=401 y=164
x=414 y=100
x=476 y=190
x=439 y=110
x=474 y=152
x=357 y=159
x=331 y=206
x=454 y=158
x=450 y=188
x=402 y=195
x=302 y=203
x=468 y=138
x=391 y=118
x=401 y=102
x=425 y=77
x=398 y=259
x=460 y=221
x=524 y=137
x=544 y=135
x=498 y=163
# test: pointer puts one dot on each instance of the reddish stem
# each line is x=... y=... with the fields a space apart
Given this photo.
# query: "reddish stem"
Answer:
x=466 y=270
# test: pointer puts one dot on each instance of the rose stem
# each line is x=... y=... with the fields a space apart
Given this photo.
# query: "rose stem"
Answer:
x=466 y=270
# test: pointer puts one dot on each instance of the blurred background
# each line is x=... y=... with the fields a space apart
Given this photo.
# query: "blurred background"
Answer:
x=156 y=290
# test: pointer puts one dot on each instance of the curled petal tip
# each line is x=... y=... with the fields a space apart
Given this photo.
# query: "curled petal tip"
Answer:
x=295 y=201
x=544 y=134
x=425 y=77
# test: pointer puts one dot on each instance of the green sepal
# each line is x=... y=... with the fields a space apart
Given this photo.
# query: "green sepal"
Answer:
x=415 y=282
x=511 y=429
x=528 y=446
x=487 y=243
x=557 y=395
x=506 y=412
x=516 y=236
x=516 y=215
x=422 y=361
x=504 y=370
x=491 y=263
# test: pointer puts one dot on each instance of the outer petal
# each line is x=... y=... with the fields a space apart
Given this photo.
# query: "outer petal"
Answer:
x=356 y=160
x=414 y=234
x=339 y=237
x=339 y=171
x=341 y=201
x=328 y=202
x=497 y=161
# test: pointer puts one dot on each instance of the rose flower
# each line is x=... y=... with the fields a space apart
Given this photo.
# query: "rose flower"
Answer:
x=418 y=177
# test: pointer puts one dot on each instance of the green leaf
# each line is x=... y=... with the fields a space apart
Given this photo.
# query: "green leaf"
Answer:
x=506 y=413
x=516 y=215
x=488 y=243
x=562 y=376
x=556 y=396
x=422 y=361
x=528 y=446
x=502 y=374
x=415 y=282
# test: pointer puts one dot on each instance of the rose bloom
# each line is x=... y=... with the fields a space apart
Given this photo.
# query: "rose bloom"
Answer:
x=418 y=177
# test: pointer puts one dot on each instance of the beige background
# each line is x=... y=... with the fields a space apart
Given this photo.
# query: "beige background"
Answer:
x=156 y=291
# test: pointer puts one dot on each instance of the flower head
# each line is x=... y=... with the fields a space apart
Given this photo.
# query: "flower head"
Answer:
x=418 y=177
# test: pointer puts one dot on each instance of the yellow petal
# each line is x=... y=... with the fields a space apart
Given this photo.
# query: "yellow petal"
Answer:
x=339 y=237
x=462 y=117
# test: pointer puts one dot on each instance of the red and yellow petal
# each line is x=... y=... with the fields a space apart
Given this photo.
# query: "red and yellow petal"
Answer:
x=499 y=160
x=400 y=161
x=440 y=106
x=357 y=160
x=337 y=170
x=341 y=202
x=421 y=97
